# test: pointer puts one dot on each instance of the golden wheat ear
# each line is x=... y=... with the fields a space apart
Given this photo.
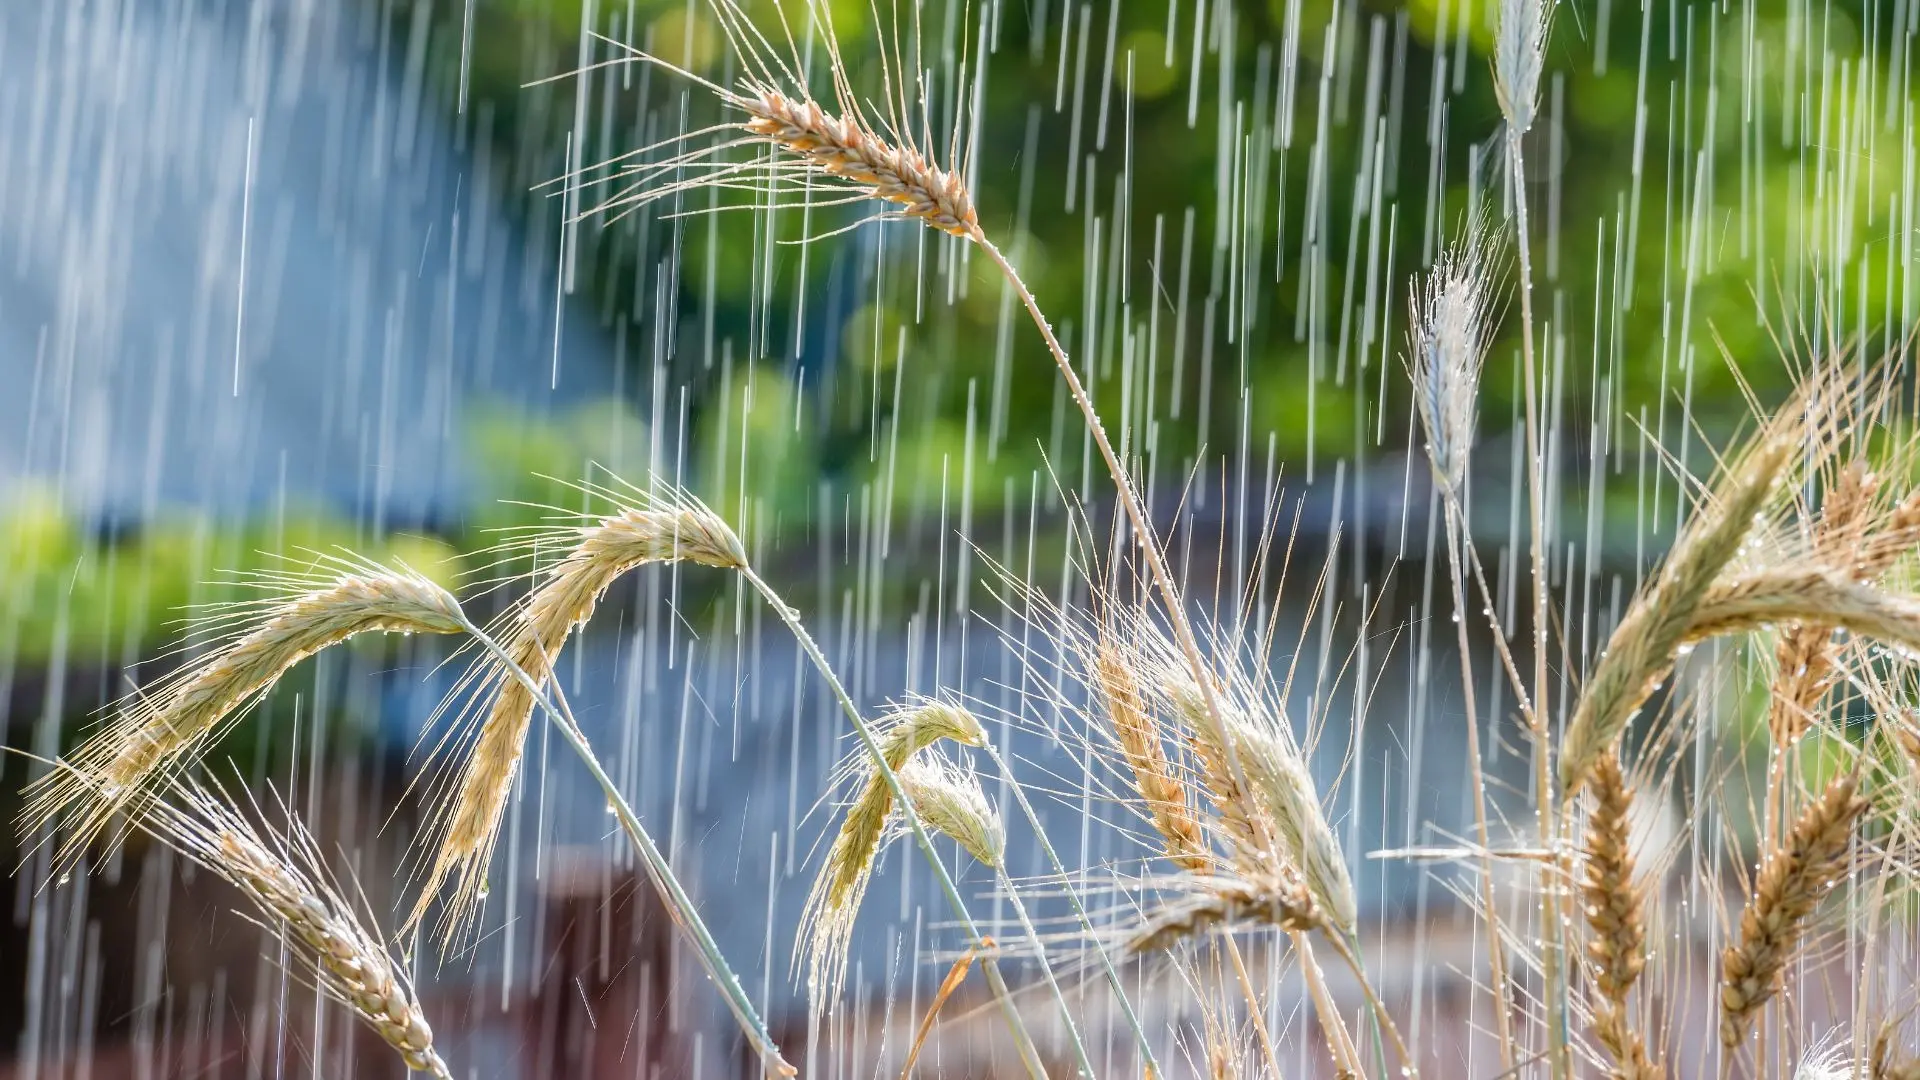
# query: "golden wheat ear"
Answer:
x=673 y=527
x=1792 y=882
x=161 y=729
x=1615 y=911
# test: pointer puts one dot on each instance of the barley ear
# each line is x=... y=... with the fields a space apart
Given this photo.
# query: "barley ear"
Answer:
x=948 y=798
x=1792 y=882
x=1222 y=903
x=166 y=726
x=834 y=900
x=286 y=884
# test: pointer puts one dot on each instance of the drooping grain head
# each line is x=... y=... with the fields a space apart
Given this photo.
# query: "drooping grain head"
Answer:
x=948 y=799
x=833 y=902
x=598 y=554
x=287 y=886
x=1221 y=903
x=1280 y=793
x=1792 y=881
x=161 y=729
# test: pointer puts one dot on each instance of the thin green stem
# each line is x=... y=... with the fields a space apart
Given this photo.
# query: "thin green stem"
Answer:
x=679 y=905
x=1079 y=909
x=995 y=980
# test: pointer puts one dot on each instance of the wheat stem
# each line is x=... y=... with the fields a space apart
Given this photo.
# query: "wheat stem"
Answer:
x=791 y=618
x=679 y=906
x=1079 y=908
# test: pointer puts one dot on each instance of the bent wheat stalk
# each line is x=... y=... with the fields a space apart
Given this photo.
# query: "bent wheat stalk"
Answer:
x=679 y=906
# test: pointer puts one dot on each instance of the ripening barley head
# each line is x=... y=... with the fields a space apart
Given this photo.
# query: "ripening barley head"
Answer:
x=1451 y=325
x=238 y=651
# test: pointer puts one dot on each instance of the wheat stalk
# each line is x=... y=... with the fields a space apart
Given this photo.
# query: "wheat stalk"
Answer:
x=1792 y=882
x=163 y=727
x=1614 y=911
x=672 y=528
x=288 y=886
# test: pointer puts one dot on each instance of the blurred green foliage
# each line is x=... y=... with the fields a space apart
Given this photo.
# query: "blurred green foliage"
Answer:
x=1645 y=132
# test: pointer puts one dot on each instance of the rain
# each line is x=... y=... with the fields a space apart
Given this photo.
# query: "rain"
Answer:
x=739 y=538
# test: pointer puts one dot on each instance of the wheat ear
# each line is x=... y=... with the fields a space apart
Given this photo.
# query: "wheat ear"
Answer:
x=1614 y=910
x=165 y=726
x=1137 y=731
x=1792 y=882
x=1284 y=902
x=680 y=529
x=288 y=886
x=948 y=798
x=1641 y=649
x=834 y=900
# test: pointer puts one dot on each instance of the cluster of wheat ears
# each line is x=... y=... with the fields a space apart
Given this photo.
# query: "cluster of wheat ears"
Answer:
x=1796 y=540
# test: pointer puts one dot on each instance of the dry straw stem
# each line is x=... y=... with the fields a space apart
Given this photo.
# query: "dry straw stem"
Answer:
x=1615 y=915
x=288 y=886
x=675 y=528
x=834 y=900
x=1137 y=730
x=161 y=728
x=1641 y=650
x=1792 y=882
x=1889 y=1063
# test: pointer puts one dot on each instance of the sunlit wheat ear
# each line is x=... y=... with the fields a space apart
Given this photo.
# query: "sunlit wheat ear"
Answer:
x=1137 y=731
x=1641 y=650
x=598 y=553
x=846 y=149
x=1792 y=882
x=289 y=887
x=948 y=799
x=1222 y=903
x=1519 y=54
x=1282 y=793
x=834 y=900
x=1449 y=340
x=1614 y=910
x=162 y=727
